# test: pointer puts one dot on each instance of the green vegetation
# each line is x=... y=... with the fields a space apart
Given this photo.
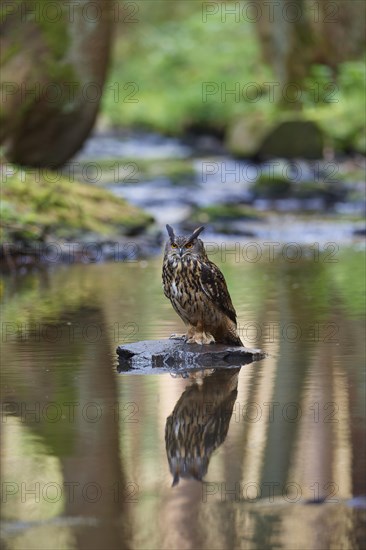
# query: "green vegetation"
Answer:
x=174 y=72
x=279 y=187
x=276 y=187
x=224 y=212
x=178 y=171
x=38 y=204
x=168 y=75
x=337 y=104
x=128 y=171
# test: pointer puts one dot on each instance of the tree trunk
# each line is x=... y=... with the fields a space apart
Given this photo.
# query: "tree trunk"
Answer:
x=54 y=60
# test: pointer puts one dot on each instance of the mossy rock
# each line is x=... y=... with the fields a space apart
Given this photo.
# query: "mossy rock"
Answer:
x=293 y=139
x=330 y=192
x=245 y=134
x=276 y=187
x=129 y=171
x=260 y=138
x=280 y=187
x=224 y=212
x=42 y=204
x=178 y=171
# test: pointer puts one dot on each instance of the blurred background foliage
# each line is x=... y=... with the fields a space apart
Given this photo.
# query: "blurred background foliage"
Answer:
x=170 y=57
x=175 y=48
x=173 y=67
x=261 y=80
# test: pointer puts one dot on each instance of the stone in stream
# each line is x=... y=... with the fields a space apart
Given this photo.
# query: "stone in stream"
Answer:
x=257 y=137
x=174 y=354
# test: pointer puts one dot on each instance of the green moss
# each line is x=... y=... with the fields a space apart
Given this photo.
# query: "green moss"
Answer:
x=279 y=187
x=276 y=187
x=54 y=31
x=224 y=212
x=57 y=40
x=50 y=61
x=41 y=204
x=9 y=52
x=312 y=189
x=62 y=73
x=178 y=171
x=351 y=176
x=128 y=171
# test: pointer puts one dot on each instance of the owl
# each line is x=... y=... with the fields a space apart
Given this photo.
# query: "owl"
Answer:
x=199 y=423
x=198 y=292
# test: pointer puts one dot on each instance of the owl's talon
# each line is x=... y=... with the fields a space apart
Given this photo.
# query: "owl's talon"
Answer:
x=179 y=374
x=203 y=338
x=177 y=337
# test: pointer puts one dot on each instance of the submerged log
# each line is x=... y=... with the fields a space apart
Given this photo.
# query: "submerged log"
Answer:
x=176 y=355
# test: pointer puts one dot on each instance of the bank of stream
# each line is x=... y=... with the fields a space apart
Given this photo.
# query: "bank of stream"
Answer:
x=194 y=182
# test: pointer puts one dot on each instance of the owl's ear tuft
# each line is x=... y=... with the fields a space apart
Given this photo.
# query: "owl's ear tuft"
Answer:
x=170 y=232
x=195 y=233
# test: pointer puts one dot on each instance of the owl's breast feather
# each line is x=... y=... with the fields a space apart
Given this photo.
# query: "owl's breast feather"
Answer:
x=174 y=289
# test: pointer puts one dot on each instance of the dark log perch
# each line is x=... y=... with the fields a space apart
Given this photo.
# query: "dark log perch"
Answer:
x=167 y=355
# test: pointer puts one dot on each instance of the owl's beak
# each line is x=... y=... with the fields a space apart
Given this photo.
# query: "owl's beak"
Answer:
x=181 y=252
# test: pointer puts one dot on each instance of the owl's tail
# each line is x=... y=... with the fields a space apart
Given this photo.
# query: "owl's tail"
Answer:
x=233 y=340
x=230 y=337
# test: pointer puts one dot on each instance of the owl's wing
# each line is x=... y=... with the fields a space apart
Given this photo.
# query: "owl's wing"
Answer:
x=214 y=286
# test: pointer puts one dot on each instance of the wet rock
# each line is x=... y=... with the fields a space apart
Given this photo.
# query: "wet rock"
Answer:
x=360 y=232
x=258 y=138
x=172 y=354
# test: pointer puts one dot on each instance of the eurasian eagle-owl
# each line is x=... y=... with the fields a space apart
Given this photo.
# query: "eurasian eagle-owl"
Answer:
x=199 y=423
x=198 y=292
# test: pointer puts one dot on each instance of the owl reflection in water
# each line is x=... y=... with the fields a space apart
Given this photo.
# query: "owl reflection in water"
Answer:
x=198 y=292
x=199 y=423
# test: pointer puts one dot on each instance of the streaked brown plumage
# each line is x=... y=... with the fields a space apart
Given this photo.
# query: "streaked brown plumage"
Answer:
x=198 y=292
x=199 y=423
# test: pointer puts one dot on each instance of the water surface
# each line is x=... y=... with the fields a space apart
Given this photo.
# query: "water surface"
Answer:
x=267 y=456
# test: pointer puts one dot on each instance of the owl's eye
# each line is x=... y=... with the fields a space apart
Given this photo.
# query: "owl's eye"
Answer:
x=173 y=245
x=189 y=245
